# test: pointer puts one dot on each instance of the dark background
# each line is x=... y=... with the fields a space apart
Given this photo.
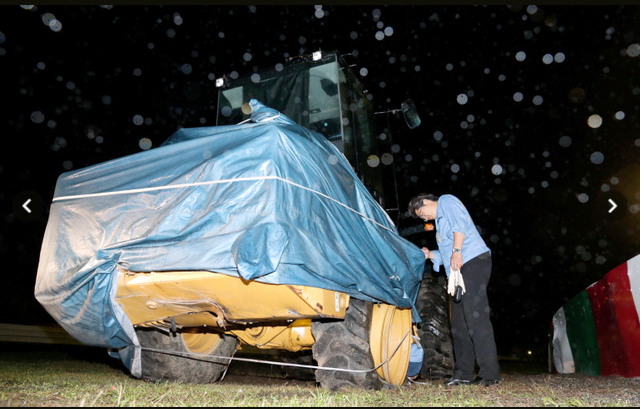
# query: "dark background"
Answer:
x=92 y=84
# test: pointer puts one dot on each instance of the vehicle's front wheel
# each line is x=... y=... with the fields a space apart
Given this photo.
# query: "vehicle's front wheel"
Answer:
x=345 y=344
x=156 y=366
x=434 y=329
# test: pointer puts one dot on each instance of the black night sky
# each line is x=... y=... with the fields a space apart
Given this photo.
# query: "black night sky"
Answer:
x=530 y=115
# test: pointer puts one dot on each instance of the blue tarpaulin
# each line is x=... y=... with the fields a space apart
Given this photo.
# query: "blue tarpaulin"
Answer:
x=266 y=200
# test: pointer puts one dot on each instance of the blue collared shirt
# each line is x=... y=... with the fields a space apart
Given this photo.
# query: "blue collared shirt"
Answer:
x=452 y=216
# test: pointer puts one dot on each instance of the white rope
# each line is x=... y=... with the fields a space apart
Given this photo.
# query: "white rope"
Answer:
x=261 y=361
x=213 y=182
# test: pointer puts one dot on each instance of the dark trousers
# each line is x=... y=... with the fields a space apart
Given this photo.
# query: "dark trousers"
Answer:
x=472 y=331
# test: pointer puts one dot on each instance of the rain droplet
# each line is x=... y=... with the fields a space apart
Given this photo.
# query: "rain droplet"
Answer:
x=582 y=197
x=55 y=25
x=634 y=208
x=594 y=121
x=373 y=161
x=332 y=159
x=597 y=158
x=186 y=68
x=633 y=50
x=517 y=97
x=37 y=117
x=497 y=169
x=565 y=141
x=619 y=115
x=461 y=99
x=547 y=59
x=145 y=143
x=387 y=159
x=47 y=18
x=520 y=56
x=60 y=142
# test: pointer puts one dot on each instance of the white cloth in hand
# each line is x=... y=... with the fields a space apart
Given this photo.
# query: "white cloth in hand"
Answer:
x=455 y=279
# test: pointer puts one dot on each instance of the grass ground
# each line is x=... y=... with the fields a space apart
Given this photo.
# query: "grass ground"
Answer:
x=50 y=375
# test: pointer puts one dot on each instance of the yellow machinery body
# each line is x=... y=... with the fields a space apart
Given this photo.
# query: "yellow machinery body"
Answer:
x=261 y=315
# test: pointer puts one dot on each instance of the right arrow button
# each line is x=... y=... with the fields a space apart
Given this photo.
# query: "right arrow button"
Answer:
x=613 y=205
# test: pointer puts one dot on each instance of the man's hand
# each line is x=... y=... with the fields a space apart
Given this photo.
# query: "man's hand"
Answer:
x=457 y=261
x=428 y=253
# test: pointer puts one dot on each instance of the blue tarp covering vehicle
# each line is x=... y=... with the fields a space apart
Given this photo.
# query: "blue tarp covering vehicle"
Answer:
x=266 y=201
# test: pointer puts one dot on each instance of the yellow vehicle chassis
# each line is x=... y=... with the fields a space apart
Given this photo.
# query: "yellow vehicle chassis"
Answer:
x=259 y=314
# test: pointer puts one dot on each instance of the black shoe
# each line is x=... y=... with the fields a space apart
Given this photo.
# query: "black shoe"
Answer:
x=455 y=382
x=485 y=382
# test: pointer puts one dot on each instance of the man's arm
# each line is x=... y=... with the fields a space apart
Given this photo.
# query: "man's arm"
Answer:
x=457 y=251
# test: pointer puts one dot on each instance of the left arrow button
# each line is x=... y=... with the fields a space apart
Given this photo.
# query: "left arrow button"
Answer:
x=27 y=206
x=24 y=206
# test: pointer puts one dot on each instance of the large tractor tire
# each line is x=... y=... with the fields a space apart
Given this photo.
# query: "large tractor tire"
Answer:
x=345 y=344
x=434 y=329
x=157 y=366
x=370 y=336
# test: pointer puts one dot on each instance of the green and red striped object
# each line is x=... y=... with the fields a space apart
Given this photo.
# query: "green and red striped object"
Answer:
x=597 y=332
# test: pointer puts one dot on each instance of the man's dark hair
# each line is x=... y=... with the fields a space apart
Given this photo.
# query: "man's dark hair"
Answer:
x=417 y=202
